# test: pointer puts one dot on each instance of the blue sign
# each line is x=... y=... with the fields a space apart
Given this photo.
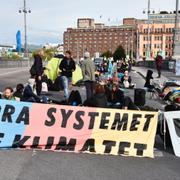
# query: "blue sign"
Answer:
x=18 y=41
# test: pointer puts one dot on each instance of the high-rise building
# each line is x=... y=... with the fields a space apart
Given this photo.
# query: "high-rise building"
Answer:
x=99 y=38
x=160 y=38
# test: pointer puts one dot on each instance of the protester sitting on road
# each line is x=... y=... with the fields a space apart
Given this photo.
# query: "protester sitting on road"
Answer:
x=8 y=94
x=149 y=77
x=29 y=95
x=18 y=94
x=128 y=104
x=115 y=97
x=124 y=66
x=100 y=99
x=126 y=80
x=120 y=74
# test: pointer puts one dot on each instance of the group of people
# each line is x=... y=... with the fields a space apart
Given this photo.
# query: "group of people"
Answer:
x=98 y=94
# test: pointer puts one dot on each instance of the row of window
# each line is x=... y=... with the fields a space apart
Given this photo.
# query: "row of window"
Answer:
x=99 y=42
x=167 y=53
x=158 y=38
x=98 y=35
x=158 y=46
x=159 y=30
x=98 y=30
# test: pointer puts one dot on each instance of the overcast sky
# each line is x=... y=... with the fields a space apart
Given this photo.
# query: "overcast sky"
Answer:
x=49 y=18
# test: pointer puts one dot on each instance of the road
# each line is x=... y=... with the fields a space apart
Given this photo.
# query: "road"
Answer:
x=13 y=76
x=39 y=165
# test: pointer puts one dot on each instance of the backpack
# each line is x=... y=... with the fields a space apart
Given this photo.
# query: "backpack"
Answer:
x=75 y=98
x=32 y=70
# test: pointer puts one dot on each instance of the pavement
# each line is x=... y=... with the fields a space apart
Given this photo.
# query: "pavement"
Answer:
x=166 y=75
x=42 y=165
x=13 y=76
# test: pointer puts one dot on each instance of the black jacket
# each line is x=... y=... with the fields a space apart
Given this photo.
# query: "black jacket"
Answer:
x=117 y=97
x=28 y=93
x=67 y=66
x=38 y=65
x=100 y=100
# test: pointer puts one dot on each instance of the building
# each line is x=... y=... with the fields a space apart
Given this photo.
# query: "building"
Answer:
x=85 y=23
x=161 y=29
x=98 y=38
x=5 y=49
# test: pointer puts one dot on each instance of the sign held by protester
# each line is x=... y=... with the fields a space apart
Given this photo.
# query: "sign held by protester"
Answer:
x=77 y=129
x=173 y=121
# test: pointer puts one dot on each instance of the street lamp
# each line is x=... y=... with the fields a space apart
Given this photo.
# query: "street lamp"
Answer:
x=25 y=10
x=176 y=31
x=148 y=12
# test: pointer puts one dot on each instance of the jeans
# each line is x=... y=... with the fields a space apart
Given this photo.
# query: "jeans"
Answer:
x=66 y=81
x=89 y=89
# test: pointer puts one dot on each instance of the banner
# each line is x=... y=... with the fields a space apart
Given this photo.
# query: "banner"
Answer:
x=178 y=67
x=77 y=129
x=173 y=121
x=18 y=41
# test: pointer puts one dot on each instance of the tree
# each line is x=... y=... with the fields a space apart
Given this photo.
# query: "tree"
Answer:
x=119 y=53
x=48 y=53
x=107 y=54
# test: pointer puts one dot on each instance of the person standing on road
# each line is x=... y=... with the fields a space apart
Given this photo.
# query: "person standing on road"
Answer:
x=38 y=65
x=88 y=71
x=159 y=64
x=67 y=67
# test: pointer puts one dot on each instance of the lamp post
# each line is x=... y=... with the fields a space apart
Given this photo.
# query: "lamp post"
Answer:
x=176 y=41
x=148 y=30
x=25 y=11
x=176 y=31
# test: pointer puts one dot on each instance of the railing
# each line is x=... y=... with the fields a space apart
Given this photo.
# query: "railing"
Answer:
x=166 y=65
x=15 y=63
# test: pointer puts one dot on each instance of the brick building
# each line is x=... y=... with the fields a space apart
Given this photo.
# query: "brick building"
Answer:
x=98 y=38
x=161 y=28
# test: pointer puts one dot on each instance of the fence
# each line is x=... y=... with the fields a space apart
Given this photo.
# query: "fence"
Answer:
x=15 y=63
x=166 y=65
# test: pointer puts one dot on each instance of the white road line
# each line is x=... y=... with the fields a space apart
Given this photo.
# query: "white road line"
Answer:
x=12 y=72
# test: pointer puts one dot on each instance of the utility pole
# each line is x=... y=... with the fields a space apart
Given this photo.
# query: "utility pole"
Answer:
x=25 y=11
x=176 y=32
x=148 y=53
x=149 y=40
x=176 y=42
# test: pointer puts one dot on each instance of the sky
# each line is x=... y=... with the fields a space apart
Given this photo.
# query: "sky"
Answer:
x=50 y=18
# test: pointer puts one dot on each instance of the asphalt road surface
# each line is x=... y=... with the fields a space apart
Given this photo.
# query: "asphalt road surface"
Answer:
x=39 y=165
x=13 y=76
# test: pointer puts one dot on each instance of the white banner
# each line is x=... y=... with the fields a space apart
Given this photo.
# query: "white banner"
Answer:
x=177 y=67
x=173 y=121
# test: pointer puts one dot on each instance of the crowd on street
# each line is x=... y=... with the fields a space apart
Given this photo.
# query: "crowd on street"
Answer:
x=104 y=84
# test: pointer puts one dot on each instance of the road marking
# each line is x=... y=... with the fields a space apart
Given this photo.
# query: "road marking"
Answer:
x=12 y=72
